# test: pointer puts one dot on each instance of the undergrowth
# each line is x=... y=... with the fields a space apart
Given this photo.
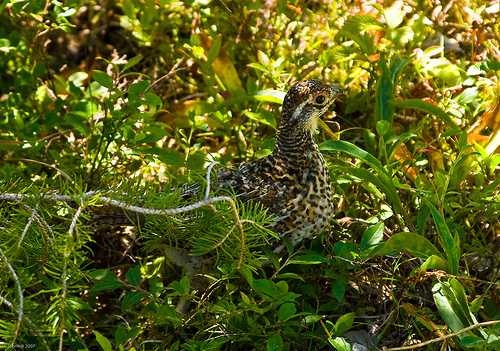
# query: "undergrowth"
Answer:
x=116 y=106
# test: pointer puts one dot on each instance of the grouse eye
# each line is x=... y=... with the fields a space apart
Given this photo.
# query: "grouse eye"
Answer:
x=320 y=100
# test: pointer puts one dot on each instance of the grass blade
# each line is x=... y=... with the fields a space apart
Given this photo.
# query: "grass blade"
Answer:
x=450 y=245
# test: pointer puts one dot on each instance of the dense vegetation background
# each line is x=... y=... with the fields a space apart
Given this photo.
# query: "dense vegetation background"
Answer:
x=130 y=99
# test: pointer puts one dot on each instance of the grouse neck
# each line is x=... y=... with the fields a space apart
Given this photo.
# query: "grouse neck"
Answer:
x=295 y=145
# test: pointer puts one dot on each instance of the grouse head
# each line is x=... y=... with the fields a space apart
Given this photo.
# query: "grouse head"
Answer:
x=305 y=102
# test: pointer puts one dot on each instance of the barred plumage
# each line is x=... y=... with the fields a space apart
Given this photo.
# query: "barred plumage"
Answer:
x=293 y=181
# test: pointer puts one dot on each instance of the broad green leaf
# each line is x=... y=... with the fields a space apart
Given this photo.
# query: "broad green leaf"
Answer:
x=131 y=300
x=339 y=286
x=451 y=246
x=266 y=288
x=167 y=314
x=286 y=311
x=105 y=280
x=312 y=318
x=137 y=89
x=169 y=156
x=418 y=104
x=344 y=323
x=274 y=343
x=264 y=118
x=102 y=341
x=412 y=243
x=340 y=344
x=181 y=287
x=133 y=275
x=434 y=262
x=422 y=217
x=453 y=307
x=270 y=95
x=371 y=237
x=102 y=78
x=353 y=150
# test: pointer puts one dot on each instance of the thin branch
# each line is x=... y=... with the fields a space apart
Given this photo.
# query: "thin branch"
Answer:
x=67 y=252
x=26 y=228
x=26 y=319
x=441 y=338
x=175 y=68
x=146 y=210
x=20 y=311
x=209 y=171
x=60 y=171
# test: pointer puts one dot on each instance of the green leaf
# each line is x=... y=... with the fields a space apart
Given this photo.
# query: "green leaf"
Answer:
x=344 y=323
x=263 y=117
x=137 y=89
x=181 y=287
x=412 y=243
x=453 y=307
x=131 y=300
x=339 y=286
x=371 y=237
x=364 y=156
x=355 y=28
x=266 y=288
x=450 y=245
x=132 y=62
x=169 y=156
x=133 y=275
x=167 y=314
x=102 y=78
x=312 y=318
x=418 y=104
x=105 y=280
x=384 y=109
x=340 y=344
x=270 y=95
x=310 y=258
x=214 y=50
x=434 y=262
x=274 y=343
x=286 y=311
x=102 y=341
x=290 y=276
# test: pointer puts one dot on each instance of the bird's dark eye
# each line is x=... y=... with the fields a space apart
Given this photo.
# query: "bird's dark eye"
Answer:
x=320 y=100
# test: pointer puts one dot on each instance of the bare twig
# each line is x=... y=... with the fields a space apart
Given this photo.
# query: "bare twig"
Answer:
x=442 y=338
x=175 y=68
x=60 y=171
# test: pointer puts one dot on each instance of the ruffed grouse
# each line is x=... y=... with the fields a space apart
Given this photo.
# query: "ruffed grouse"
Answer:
x=293 y=181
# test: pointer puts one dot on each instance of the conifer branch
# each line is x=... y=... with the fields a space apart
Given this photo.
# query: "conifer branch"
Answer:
x=143 y=210
x=20 y=310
